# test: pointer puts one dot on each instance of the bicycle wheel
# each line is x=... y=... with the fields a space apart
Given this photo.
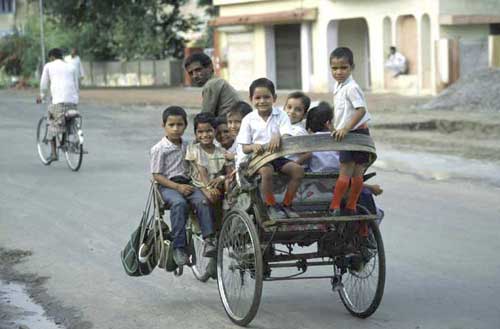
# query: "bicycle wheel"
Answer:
x=42 y=143
x=239 y=267
x=200 y=266
x=73 y=146
x=363 y=287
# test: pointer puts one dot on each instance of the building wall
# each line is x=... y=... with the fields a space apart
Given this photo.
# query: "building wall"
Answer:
x=382 y=21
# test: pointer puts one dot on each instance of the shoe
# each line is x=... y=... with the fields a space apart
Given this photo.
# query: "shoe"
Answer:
x=335 y=212
x=209 y=248
x=349 y=212
x=290 y=212
x=180 y=257
x=276 y=212
x=51 y=159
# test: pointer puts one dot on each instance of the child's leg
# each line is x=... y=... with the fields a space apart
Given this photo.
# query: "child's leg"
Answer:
x=203 y=211
x=345 y=173
x=266 y=185
x=178 y=215
x=296 y=173
x=356 y=186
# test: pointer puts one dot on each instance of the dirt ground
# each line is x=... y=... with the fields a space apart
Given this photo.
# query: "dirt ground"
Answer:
x=397 y=120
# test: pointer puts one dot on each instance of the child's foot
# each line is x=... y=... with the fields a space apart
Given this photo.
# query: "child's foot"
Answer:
x=209 y=248
x=180 y=257
x=289 y=211
x=335 y=212
x=276 y=212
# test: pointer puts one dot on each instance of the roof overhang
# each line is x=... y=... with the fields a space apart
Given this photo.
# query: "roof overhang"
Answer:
x=280 y=17
x=468 y=19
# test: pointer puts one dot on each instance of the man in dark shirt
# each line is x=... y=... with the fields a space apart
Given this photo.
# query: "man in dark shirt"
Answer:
x=218 y=95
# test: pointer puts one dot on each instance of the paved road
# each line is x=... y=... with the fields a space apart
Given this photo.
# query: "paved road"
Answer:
x=441 y=239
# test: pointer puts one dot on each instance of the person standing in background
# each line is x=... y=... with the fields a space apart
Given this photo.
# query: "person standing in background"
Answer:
x=74 y=60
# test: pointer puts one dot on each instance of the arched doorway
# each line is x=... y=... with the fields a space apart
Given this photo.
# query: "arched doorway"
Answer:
x=425 y=33
x=353 y=33
x=406 y=41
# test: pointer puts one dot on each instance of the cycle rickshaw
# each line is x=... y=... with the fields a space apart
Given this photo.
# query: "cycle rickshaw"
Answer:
x=251 y=245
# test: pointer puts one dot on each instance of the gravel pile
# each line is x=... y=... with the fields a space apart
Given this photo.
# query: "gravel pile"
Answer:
x=479 y=91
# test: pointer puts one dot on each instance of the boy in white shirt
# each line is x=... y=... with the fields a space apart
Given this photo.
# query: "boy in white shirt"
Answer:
x=296 y=106
x=266 y=125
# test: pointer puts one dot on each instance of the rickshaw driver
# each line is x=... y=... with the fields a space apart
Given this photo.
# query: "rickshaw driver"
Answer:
x=218 y=95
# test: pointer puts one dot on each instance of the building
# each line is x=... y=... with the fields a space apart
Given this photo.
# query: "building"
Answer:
x=289 y=41
x=13 y=15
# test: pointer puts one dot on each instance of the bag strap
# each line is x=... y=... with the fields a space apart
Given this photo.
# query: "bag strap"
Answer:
x=145 y=214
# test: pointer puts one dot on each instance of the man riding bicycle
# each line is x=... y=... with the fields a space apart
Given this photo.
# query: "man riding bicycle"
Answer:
x=63 y=80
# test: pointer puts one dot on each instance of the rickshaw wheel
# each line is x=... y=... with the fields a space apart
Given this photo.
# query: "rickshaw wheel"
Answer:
x=239 y=267
x=363 y=287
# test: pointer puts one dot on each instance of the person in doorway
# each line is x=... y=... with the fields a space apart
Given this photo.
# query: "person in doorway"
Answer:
x=218 y=95
x=74 y=60
x=396 y=62
x=63 y=82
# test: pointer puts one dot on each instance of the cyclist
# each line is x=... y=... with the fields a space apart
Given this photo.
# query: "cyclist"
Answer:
x=62 y=79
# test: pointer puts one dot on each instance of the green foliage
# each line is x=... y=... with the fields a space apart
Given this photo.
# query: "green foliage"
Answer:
x=125 y=29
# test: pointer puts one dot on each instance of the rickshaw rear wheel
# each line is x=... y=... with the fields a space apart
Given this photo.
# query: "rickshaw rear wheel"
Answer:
x=363 y=286
x=239 y=267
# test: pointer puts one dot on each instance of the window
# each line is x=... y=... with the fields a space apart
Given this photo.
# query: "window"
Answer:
x=495 y=29
x=6 y=6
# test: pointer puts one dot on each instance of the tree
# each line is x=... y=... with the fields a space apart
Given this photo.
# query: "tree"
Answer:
x=126 y=29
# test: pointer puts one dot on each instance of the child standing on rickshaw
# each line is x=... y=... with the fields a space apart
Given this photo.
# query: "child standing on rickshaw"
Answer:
x=350 y=115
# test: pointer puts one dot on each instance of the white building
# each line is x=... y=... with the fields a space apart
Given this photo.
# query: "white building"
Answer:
x=289 y=41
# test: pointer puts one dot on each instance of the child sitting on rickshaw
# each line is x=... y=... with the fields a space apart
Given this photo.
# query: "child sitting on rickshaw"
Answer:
x=296 y=106
x=266 y=125
x=168 y=168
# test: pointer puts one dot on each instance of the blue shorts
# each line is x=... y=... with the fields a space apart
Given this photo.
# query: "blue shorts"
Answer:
x=355 y=156
x=279 y=163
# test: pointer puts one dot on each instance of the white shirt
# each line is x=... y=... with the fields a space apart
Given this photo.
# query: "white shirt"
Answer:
x=63 y=82
x=326 y=161
x=298 y=129
x=254 y=130
x=347 y=97
x=167 y=158
x=77 y=64
x=396 y=59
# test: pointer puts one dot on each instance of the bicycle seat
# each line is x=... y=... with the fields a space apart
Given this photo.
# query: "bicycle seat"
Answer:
x=70 y=114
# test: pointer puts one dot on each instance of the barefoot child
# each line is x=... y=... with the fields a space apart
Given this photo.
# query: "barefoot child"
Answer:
x=266 y=125
x=207 y=164
x=350 y=116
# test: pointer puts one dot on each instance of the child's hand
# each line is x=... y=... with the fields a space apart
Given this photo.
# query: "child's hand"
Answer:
x=229 y=156
x=216 y=182
x=274 y=143
x=257 y=149
x=185 y=189
x=340 y=134
x=212 y=194
x=375 y=189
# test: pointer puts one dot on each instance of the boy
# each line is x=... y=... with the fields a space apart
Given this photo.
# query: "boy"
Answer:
x=218 y=95
x=319 y=121
x=350 y=116
x=266 y=125
x=296 y=106
x=168 y=168
x=234 y=117
x=207 y=164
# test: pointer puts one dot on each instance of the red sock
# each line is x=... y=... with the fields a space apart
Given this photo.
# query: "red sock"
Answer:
x=356 y=187
x=338 y=193
x=269 y=199
x=287 y=201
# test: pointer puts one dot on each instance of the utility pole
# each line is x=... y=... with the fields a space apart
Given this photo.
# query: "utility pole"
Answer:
x=42 y=38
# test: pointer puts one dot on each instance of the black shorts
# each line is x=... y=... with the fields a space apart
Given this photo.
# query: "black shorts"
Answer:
x=355 y=156
x=279 y=163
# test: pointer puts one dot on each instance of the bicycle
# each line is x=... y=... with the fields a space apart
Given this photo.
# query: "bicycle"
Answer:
x=70 y=141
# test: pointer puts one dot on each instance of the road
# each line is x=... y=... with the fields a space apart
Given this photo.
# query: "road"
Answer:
x=441 y=239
